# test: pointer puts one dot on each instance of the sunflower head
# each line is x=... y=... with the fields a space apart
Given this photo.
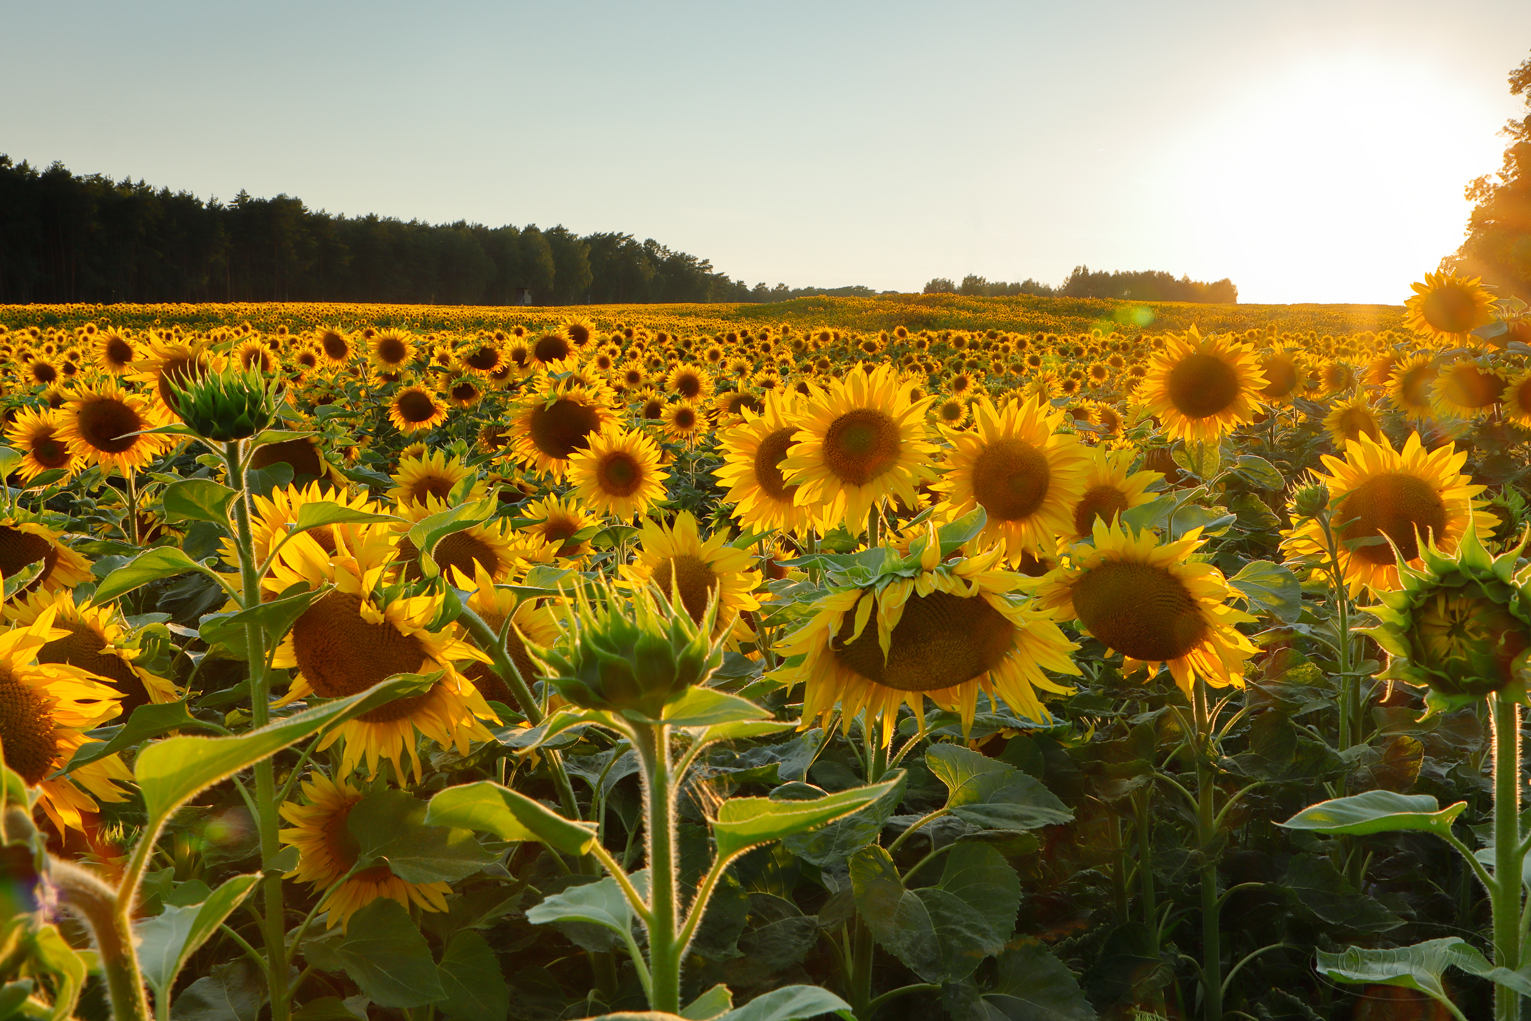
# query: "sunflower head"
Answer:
x=232 y=403
x=1203 y=387
x=1448 y=307
x=632 y=654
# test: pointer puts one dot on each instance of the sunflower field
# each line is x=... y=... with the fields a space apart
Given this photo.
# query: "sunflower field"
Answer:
x=1087 y=661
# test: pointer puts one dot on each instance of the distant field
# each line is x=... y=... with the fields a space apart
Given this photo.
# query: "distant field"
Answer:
x=916 y=311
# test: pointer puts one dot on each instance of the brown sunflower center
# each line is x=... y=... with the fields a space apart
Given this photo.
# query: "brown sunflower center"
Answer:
x=1468 y=386
x=18 y=549
x=694 y=578
x=341 y=654
x=684 y=419
x=391 y=350
x=736 y=403
x=47 y=451
x=550 y=347
x=941 y=641
x=861 y=445
x=82 y=648
x=1281 y=376
x=1011 y=479
x=1395 y=505
x=118 y=351
x=768 y=459
x=464 y=392
x=561 y=530
x=335 y=346
x=1103 y=503
x=1352 y=422
x=1450 y=309
x=177 y=371
x=416 y=406
x=1414 y=386
x=105 y=422
x=462 y=551
x=1140 y=610
x=299 y=453
x=561 y=428
x=1201 y=385
x=439 y=486
x=619 y=474
x=688 y=385
x=26 y=730
x=44 y=373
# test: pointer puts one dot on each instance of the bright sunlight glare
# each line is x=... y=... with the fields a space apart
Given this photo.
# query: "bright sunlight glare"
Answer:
x=1333 y=182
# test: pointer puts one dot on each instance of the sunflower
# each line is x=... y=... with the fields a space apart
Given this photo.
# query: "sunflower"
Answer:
x=45 y=710
x=858 y=443
x=390 y=350
x=1448 y=308
x=530 y=624
x=335 y=346
x=552 y=351
x=618 y=473
x=489 y=545
x=304 y=454
x=1466 y=389
x=482 y=357
x=1409 y=387
x=690 y=383
x=677 y=556
x=327 y=852
x=36 y=435
x=24 y=542
x=1148 y=601
x=430 y=480
x=115 y=354
x=462 y=392
x=169 y=364
x=685 y=422
x=1407 y=497
x=944 y=628
x=415 y=409
x=1517 y=398
x=557 y=521
x=552 y=423
x=355 y=636
x=92 y=639
x=1352 y=418
x=1109 y=488
x=105 y=425
x=1024 y=473
x=275 y=514
x=951 y=413
x=730 y=405
x=1202 y=388
x=753 y=454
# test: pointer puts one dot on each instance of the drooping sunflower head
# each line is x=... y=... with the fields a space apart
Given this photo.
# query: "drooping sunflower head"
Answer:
x=1201 y=388
x=105 y=425
x=618 y=473
x=1148 y=601
x=36 y=435
x=1448 y=307
x=932 y=624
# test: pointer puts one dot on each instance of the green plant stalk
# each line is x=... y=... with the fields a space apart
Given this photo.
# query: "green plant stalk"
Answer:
x=1142 y=809
x=665 y=950
x=1206 y=830
x=1350 y=686
x=98 y=904
x=1507 y=851
x=274 y=917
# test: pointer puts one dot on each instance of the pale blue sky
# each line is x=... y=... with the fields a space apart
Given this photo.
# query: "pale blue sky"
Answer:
x=1313 y=151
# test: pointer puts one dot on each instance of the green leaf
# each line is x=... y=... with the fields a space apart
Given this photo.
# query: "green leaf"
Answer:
x=1259 y=472
x=173 y=935
x=14 y=994
x=790 y=1003
x=993 y=794
x=489 y=808
x=390 y=824
x=326 y=512
x=148 y=721
x=600 y=903
x=742 y=729
x=384 y=954
x=330 y=1008
x=266 y=436
x=52 y=955
x=837 y=841
x=715 y=1001
x=150 y=565
x=1376 y=812
x=1421 y=967
x=172 y=771
x=744 y=823
x=1271 y=588
x=706 y=707
x=470 y=974
x=235 y=991
x=274 y=617
x=1029 y=984
x=198 y=500
x=425 y=534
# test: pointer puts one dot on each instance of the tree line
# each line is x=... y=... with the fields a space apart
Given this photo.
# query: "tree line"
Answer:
x=88 y=238
x=1146 y=285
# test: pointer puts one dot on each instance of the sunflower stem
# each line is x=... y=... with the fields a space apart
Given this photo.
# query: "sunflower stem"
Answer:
x=1206 y=832
x=274 y=920
x=111 y=922
x=1507 y=853
x=665 y=949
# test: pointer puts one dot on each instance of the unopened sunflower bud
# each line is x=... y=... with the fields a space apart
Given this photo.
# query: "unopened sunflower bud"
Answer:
x=227 y=405
x=1311 y=500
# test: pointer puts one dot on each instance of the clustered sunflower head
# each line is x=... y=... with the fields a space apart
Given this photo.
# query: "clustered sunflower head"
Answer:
x=1459 y=623
x=233 y=403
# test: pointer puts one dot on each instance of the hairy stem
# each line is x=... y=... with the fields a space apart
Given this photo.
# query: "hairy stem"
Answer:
x=112 y=924
x=1507 y=853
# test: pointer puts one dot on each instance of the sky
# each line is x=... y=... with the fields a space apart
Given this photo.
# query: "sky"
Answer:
x=1309 y=151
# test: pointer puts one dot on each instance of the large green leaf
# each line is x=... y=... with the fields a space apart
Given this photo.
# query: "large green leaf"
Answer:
x=171 y=771
x=600 y=903
x=489 y=808
x=744 y=823
x=470 y=974
x=1270 y=588
x=390 y=824
x=150 y=565
x=383 y=953
x=1376 y=812
x=148 y=721
x=328 y=512
x=1259 y=472
x=1421 y=966
x=273 y=616
x=706 y=707
x=1029 y=984
x=235 y=991
x=993 y=794
x=835 y=842
x=198 y=500
x=170 y=937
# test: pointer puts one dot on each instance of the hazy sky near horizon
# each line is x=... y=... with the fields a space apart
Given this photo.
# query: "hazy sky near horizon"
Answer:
x=1311 y=151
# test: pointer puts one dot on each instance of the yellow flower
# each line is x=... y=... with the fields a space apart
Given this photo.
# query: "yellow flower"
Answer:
x=115 y=353
x=557 y=520
x=1202 y=388
x=105 y=425
x=618 y=473
x=429 y=480
x=1410 y=383
x=415 y=409
x=677 y=555
x=1447 y=307
x=553 y=422
x=753 y=455
x=390 y=350
x=94 y=640
x=36 y=435
x=1350 y=419
x=169 y=364
x=1466 y=389
x=1110 y=487
x=24 y=542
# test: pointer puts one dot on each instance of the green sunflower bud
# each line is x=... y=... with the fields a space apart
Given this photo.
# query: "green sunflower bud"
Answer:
x=1311 y=500
x=232 y=404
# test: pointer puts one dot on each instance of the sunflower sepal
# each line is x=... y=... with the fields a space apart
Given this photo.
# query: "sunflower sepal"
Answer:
x=224 y=406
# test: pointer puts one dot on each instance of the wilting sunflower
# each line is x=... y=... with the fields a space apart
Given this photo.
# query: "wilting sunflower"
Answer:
x=618 y=473
x=415 y=409
x=1407 y=497
x=858 y=443
x=1024 y=473
x=25 y=541
x=949 y=631
x=390 y=350
x=1151 y=603
x=1466 y=389
x=677 y=555
x=1448 y=307
x=1351 y=418
x=355 y=636
x=36 y=435
x=45 y=710
x=1109 y=488
x=529 y=624
x=93 y=639
x=1409 y=386
x=557 y=520
x=553 y=422
x=430 y=480
x=1201 y=388
x=115 y=353
x=327 y=851
x=169 y=364
x=105 y=424
x=753 y=455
